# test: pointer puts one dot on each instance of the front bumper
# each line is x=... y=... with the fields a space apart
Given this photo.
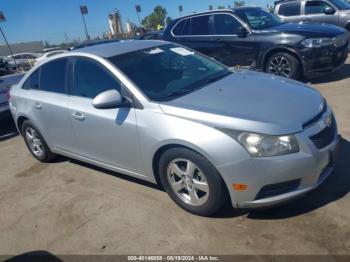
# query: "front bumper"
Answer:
x=318 y=61
x=304 y=171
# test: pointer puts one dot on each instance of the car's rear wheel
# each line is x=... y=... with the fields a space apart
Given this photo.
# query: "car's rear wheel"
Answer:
x=283 y=64
x=36 y=143
x=192 y=181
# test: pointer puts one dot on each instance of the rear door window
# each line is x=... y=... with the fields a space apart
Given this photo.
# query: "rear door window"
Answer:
x=290 y=9
x=53 y=76
x=200 y=25
x=315 y=7
x=226 y=24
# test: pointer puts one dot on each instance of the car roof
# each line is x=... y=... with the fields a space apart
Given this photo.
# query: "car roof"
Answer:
x=220 y=11
x=118 y=48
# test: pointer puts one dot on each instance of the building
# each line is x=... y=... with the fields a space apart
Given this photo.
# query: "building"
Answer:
x=115 y=23
x=35 y=46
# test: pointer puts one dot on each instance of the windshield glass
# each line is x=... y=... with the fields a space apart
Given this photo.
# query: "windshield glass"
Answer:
x=341 y=4
x=168 y=71
x=258 y=19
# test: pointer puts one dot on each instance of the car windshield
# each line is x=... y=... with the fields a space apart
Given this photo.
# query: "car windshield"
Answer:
x=342 y=5
x=258 y=19
x=169 y=71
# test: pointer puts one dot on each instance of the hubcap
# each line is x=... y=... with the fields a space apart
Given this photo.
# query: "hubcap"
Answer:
x=280 y=66
x=188 y=182
x=34 y=142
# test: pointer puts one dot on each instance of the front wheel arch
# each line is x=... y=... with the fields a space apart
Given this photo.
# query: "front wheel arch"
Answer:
x=280 y=50
x=163 y=149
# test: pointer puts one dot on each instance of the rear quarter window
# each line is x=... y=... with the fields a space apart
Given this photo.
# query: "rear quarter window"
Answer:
x=32 y=81
x=290 y=9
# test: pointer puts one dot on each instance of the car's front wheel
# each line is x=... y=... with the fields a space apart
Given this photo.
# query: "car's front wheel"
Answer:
x=192 y=181
x=283 y=64
x=36 y=143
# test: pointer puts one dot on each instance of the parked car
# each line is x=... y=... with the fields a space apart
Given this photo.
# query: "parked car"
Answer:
x=335 y=12
x=23 y=60
x=4 y=67
x=49 y=54
x=153 y=35
x=258 y=39
x=161 y=112
x=5 y=84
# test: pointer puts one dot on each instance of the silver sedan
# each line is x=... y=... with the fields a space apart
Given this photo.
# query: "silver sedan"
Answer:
x=167 y=114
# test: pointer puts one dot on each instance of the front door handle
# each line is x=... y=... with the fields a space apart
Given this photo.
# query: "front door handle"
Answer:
x=37 y=105
x=79 y=116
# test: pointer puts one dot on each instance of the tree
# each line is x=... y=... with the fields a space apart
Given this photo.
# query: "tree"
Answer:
x=221 y=7
x=239 y=3
x=169 y=20
x=157 y=17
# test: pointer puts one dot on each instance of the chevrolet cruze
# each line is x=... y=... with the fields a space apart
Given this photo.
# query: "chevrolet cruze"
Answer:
x=165 y=113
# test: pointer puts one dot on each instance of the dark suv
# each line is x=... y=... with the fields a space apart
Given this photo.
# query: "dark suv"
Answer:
x=258 y=39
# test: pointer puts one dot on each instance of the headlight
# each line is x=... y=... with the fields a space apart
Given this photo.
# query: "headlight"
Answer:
x=259 y=145
x=317 y=42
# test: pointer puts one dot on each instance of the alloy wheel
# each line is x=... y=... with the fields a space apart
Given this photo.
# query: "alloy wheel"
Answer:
x=279 y=65
x=34 y=142
x=188 y=182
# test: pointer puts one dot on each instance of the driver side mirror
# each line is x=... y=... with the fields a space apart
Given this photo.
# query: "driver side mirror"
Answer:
x=110 y=99
x=242 y=32
x=329 y=11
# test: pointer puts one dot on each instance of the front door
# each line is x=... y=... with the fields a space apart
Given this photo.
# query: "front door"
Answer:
x=108 y=136
x=315 y=12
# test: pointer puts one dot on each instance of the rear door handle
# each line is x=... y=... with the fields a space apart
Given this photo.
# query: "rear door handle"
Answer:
x=37 y=105
x=78 y=116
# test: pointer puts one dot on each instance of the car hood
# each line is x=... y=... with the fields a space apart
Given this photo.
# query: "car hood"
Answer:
x=250 y=101
x=309 y=29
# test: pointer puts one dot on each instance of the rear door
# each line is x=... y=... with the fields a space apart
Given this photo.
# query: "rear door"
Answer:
x=108 y=136
x=48 y=103
x=196 y=33
x=314 y=12
x=228 y=47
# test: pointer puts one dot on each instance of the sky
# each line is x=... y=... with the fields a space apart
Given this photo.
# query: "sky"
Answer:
x=49 y=20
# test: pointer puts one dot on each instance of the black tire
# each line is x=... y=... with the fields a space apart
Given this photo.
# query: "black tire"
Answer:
x=46 y=155
x=217 y=189
x=295 y=67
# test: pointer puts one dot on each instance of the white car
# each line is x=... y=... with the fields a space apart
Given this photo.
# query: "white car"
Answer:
x=49 y=54
x=22 y=59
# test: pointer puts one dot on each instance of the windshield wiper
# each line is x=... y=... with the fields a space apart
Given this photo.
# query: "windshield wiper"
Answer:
x=217 y=77
x=199 y=85
x=176 y=93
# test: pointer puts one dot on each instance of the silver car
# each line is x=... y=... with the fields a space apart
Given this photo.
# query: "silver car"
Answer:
x=164 y=113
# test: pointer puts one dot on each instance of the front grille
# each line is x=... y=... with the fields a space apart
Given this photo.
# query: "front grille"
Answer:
x=326 y=136
x=278 y=189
